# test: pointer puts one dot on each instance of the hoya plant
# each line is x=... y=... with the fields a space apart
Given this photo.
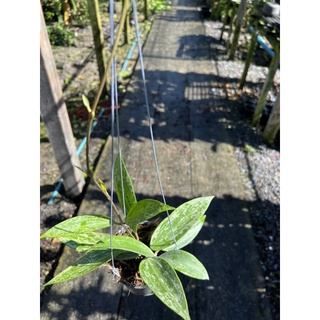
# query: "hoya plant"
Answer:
x=142 y=250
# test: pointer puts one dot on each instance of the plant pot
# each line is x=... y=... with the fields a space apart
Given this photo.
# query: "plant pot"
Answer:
x=138 y=290
x=128 y=263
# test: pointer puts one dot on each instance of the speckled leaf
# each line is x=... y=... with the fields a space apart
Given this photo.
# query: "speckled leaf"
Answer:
x=81 y=241
x=188 y=236
x=186 y=224
x=124 y=189
x=186 y=263
x=79 y=224
x=126 y=244
x=86 y=264
x=78 y=231
x=145 y=210
x=80 y=247
x=165 y=284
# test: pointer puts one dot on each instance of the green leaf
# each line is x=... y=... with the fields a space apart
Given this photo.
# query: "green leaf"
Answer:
x=126 y=244
x=126 y=255
x=185 y=225
x=164 y=282
x=124 y=188
x=79 y=224
x=79 y=246
x=81 y=241
x=188 y=236
x=145 y=210
x=86 y=264
x=102 y=185
x=77 y=232
x=86 y=103
x=186 y=263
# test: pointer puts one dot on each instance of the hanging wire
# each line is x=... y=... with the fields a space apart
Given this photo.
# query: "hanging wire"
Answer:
x=114 y=102
x=114 y=73
x=113 y=89
x=135 y=15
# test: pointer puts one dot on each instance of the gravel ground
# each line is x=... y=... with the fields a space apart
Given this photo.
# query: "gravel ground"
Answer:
x=260 y=175
x=259 y=164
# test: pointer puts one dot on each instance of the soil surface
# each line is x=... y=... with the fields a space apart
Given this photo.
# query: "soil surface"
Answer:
x=259 y=163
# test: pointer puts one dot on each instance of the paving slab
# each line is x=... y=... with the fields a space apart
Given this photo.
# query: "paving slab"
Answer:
x=195 y=158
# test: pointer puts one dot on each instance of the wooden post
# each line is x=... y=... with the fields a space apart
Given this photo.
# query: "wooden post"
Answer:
x=56 y=119
x=252 y=47
x=146 y=11
x=273 y=124
x=240 y=15
x=93 y=8
x=125 y=5
x=266 y=86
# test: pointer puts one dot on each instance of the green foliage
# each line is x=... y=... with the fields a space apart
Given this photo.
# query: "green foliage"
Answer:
x=186 y=222
x=165 y=284
x=43 y=133
x=79 y=12
x=123 y=185
x=145 y=210
x=159 y=5
x=86 y=264
x=221 y=9
x=186 y=263
x=86 y=103
x=59 y=35
x=160 y=258
x=249 y=149
x=77 y=233
x=125 y=244
x=52 y=11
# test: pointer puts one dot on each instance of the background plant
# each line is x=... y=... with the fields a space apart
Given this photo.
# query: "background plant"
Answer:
x=60 y=36
x=159 y=5
x=59 y=31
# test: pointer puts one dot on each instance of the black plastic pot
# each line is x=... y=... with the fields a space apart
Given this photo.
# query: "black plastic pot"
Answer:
x=138 y=290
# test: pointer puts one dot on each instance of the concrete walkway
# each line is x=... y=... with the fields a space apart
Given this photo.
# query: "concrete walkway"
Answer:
x=195 y=159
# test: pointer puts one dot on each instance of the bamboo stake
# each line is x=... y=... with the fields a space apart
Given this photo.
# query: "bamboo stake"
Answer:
x=273 y=124
x=102 y=84
x=267 y=85
x=250 y=53
x=240 y=15
x=93 y=8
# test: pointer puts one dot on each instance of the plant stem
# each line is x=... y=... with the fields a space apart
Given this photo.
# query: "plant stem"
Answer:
x=122 y=223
